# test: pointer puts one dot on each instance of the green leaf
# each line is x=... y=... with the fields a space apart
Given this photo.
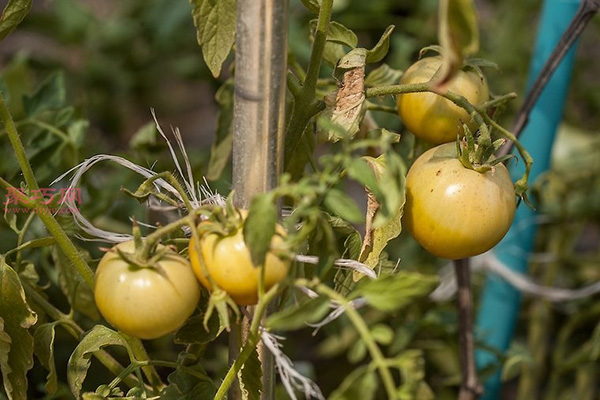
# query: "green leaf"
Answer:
x=78 y=293
x=458 y=35
x=361 y=384
x=43 y=340
x=34 y=243
x=215 y=22
x=251 y=378
x=259 y=227
x=312 y=5
x=411 y=365
x=357 y=352
x=383 y=75
x=16 y=344
x=360 y=170
x=518 y=358
x=12 y=15
x=337 y=33
x=323 y=244
x=193 y=330
x=356 y=58
x=333 y=52
x=382 y=334
x=306 y=312
x=393 y=292
x=220 y=152
x=339 y=203
x=189 y=385
x=77 y=131
x=145 y=138
x=380 y=50
x=50 y=95
x=100 y=336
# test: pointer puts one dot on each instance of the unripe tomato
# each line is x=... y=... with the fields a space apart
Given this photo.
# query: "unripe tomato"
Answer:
x=430 y=116
x=145 y=302
x=228 y=261
x=455 y=212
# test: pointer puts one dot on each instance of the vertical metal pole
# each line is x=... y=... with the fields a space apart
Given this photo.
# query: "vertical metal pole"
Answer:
x=259 y=117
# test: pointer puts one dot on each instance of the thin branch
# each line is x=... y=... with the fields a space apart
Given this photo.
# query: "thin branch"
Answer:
x=587 y=10
x=470 y=388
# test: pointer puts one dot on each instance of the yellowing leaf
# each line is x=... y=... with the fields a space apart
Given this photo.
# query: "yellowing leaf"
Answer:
x=16 y=344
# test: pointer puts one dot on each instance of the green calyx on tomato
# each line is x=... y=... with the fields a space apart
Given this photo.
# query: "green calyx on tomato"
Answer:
x=432 y=117
x=455 y=212
x=145 y=300
x=223 y=259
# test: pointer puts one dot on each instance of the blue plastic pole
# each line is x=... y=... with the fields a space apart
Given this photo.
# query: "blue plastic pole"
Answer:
x=500 y=303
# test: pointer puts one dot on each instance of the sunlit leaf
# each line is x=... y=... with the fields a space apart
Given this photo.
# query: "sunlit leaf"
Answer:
x=380 y=50
x=259 y=227
x=14 y=12
x=215 y=22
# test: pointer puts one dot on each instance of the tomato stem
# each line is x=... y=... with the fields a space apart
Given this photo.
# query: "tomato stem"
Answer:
x=305 y=105
x=54 y=228
x=141 y=355
x=479 y=114
x=251 y=342
x=470 y=388
x=361 y=326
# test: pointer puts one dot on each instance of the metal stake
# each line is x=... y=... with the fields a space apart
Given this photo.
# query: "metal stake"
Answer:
x=258 y=123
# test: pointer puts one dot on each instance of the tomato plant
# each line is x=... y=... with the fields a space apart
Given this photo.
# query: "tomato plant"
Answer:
x=228 y=262
x=455 y=212
x=376 y=329
x=431 y=117
x=145 y=301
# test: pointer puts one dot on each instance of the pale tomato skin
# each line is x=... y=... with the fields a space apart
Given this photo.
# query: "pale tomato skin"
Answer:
x=228 y=261
x=143 y=302
x=455 y=212
x=430 y=116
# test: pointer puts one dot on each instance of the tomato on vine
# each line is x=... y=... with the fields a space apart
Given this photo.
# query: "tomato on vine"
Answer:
x=432 y=117
x=145 y=301
x=227 y=260
x=455 y=212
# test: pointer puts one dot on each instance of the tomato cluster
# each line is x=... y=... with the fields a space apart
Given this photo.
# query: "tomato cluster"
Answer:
x=149 y=301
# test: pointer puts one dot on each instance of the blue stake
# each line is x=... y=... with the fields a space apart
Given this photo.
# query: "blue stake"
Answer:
x=500 y=303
